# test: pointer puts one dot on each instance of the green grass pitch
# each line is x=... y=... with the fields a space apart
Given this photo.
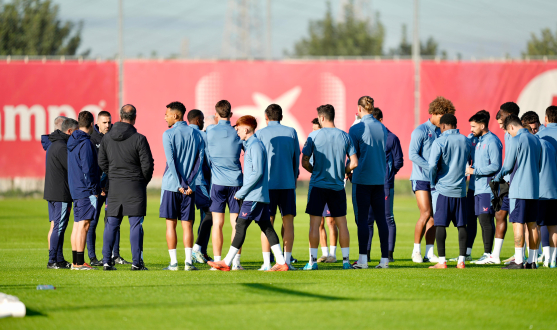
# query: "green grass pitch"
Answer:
x=406 y=296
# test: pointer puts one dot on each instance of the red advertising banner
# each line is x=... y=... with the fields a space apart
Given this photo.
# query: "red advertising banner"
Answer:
x=33 y=94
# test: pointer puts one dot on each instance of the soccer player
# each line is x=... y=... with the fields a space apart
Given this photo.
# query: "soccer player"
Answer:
x=184 y=150
x=448 y=159
x=255 y=196
x=532 y=119
x=283 y=155
x=368 y=181
x=329 y=147
x=395 y=161
x=506 y=109
x=57 y=192
x=226 y=176
x=487 y=163
x=196 y=119
x=84 y=182
x=420 y=146
x=524 y=161
x=125 y=156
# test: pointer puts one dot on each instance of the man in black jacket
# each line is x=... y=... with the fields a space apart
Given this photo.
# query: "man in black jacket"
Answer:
x=104 y=124
x=125 y=156
x=57 y=192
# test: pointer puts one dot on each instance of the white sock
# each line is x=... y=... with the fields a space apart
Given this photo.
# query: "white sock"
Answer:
x=429 y=250
x=312 y=256
x=417 y=248
x=333 y=251
x=277 y=251
x=552 y=254
x=188 y=255
x=216 y=258
x=230 y=256
x=362 y=259
x=468 y=251
x=173 y=259
x=266 y=258
x=384 y=261
x=518 y=255
x=236 y=261
x=197 y=248
x=545 y=252
x=442 y=260
x=287 y=257
x=324 y=251
x=497 y=248
x=532 y=256
x=345 y=255
x=461 y=258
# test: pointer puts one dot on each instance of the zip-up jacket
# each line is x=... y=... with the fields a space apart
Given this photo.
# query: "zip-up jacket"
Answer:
x=395 y=159
x=420 y=146
x=256 y=184
x=473 y=142
x=204 y=176
x=370 y=141
x=224 y=152
x=548 y=171
x=487 y=161
x=56 y=188
x=83 y=170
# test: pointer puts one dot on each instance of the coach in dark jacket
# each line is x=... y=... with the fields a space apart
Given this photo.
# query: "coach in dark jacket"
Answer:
x=57 y=191
x=125 y=156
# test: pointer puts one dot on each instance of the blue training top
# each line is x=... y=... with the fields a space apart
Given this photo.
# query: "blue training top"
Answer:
x=474 y=141
x=420 y=146
x=184 y=149
x=370 y=141
x=524 y=161
x=548 y=171
x=329 y=147
x=256 y=185
x=450 y=154
x=204 y=176
x=487 y=162
x=283 y=154
x=549 y=134
x=224 y=152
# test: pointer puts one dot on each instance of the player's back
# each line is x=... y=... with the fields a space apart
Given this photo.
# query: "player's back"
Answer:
x=370 y=139
x=525 y=179
x=549 y=134
x=548 y=171
x=420 y=146
x=455 y=153
x=224 y=150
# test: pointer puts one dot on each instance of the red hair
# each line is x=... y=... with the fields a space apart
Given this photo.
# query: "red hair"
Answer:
x=247 y=121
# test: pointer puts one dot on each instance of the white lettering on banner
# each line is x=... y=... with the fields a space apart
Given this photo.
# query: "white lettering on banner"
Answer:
x=539 y=93
x=25 y=113
x=55 y=111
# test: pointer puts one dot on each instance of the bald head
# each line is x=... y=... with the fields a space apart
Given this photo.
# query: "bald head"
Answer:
x=128 y=114
x=58 y=122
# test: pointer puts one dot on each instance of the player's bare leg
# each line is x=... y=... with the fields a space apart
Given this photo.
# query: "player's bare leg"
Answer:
x=424 y=226
x=216 y=235
x=323 y=241
x=333 y=239
x=187 y=226
x=236 y=263
x=171 y=242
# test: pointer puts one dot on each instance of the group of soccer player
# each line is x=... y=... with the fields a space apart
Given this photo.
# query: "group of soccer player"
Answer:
x=203 y=171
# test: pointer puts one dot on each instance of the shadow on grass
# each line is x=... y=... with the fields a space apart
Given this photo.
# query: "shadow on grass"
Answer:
x=31 y=312
x=266 y=288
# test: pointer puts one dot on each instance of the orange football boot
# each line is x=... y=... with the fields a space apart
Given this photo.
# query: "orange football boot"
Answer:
x=460 y=265
x=219 y=265
x=439 y=266
x=278 y=268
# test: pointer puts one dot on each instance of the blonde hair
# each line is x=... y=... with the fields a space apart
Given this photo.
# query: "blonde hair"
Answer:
x=367 y=103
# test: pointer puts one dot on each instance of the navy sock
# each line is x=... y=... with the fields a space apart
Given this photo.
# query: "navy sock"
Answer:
x=74 y=257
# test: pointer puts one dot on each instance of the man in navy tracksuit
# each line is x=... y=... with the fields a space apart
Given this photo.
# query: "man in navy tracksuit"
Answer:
x=84 y=181
x=57 y=192
x=395 y=161
x=450 y=154
x=523 y=162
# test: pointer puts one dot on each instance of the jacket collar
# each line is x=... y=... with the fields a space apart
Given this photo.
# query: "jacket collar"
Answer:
x=178 y=123
x=194 y=126
x=521 y=131
x=485 y=136
x=250 y=140
x=273 y=123
x=430 y=125
x=224 y=122
x=451 y=131
x=548 y=125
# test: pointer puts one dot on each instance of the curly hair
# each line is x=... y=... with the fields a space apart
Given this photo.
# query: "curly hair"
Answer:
x=441 y=106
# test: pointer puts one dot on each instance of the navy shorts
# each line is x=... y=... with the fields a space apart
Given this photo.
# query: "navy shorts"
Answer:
x=523 y=210
x=254 y=211
x=175 y=205
x=318 y=198
x=284 y=199
x=450 y=209
x=506 y=205
x=547 y=215
x=222 y=195
x=421 y=185
x=59 y=211
x=84 y=208
x=202 y=199
x=482 y=204
x=326 y=212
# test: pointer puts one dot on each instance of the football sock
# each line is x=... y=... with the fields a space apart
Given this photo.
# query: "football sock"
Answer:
x=267 y=258
x=196 y=247
x=287 y=257
x=384 y=261
x=518 y=255
x=391 y=253
x=429 y=250
x=498 y=244
x=345 y=255
x=312 y=256
x=417 y=248
x=461 y=258
x=532 y=255
x=333 y=251
x=236 y=261
x=277 y=251
x=362 y=260
x=74 y=257
x=216 y=258
x=80 y=258
x=468 y=251
x=552 y=254
x=324 y=251
x=188 y=255
x=173 y=259
x=230 y=256
x=442 y=260
x=545 y=250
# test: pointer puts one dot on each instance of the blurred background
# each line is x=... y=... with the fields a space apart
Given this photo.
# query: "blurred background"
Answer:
x=60 y=57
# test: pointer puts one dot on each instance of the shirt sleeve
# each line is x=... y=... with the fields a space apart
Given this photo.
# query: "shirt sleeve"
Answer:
x=296 y=160
x=433 y=162
x=256 y=160
x=308 y=146
x=169 y=153
x=510 y=160
x=495 y=155
x=416 y=143
x=353 y=139
x=350 y=146
x=398 y=156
